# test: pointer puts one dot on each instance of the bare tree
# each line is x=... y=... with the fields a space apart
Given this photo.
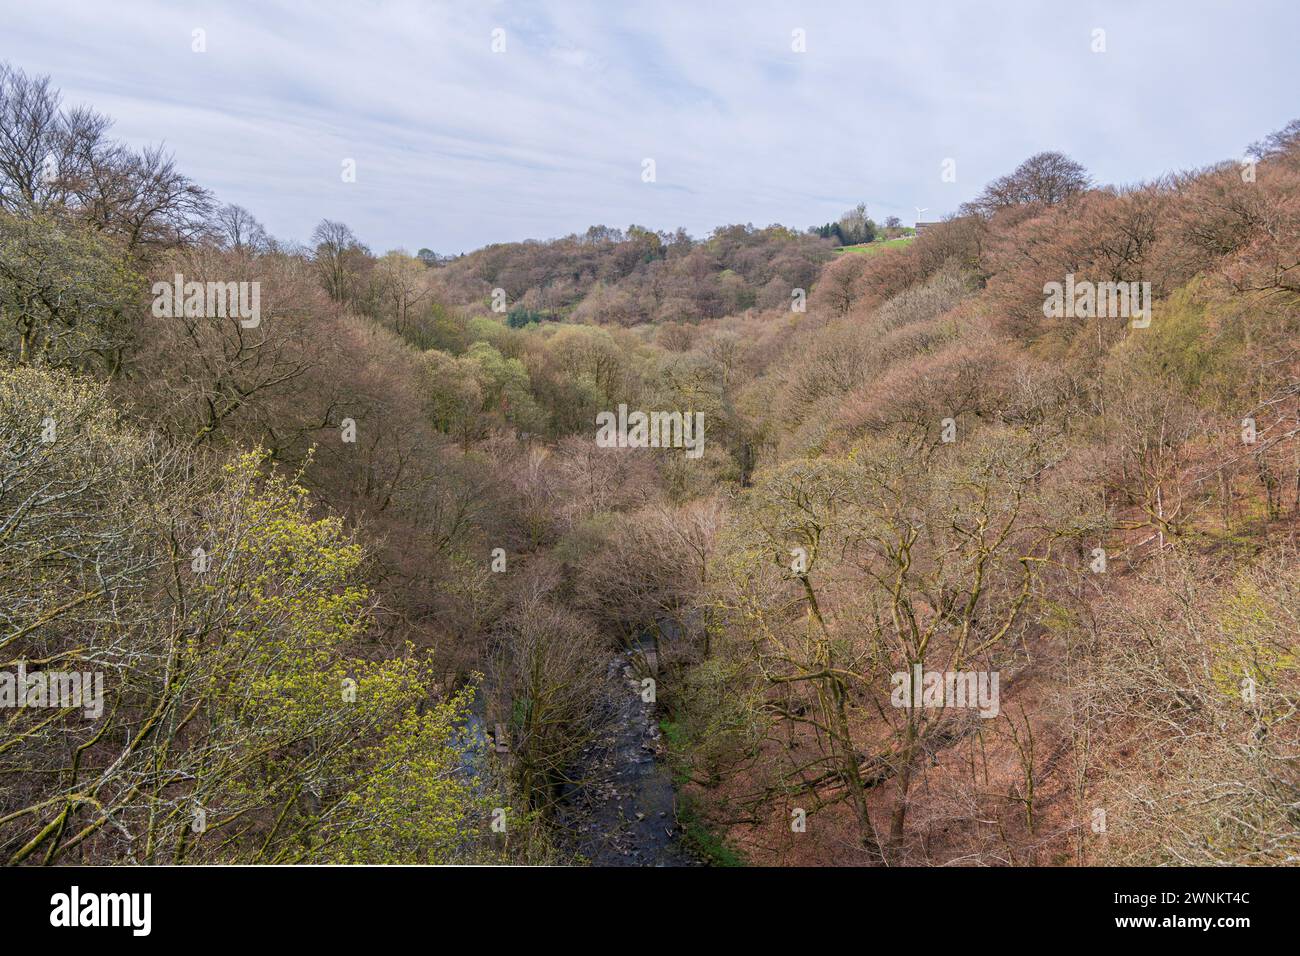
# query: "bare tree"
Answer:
x=239 y=230
x=1045 y=178
x=338 y=256
x=51 y=157
x=42 y=147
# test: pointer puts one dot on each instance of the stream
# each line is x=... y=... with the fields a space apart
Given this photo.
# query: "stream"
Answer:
x=623 y=813
x=623 y=810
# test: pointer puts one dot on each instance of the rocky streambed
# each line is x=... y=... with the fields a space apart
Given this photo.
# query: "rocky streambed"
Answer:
x=623 y=812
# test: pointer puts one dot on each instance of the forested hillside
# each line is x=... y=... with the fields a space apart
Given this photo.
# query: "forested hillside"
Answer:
x=616 y=277
x=358 y=577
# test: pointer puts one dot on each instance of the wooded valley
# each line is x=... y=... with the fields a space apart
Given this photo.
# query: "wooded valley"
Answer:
x=333 y=530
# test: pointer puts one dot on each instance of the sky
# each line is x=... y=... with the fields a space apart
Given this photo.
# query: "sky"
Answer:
x=478 y=122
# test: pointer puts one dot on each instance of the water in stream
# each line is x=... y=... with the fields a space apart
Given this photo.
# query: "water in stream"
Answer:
x=623 y=814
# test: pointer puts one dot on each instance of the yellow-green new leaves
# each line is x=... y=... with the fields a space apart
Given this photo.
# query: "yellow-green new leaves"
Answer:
x=245 y=716
x=65 y=293
x=422 y=798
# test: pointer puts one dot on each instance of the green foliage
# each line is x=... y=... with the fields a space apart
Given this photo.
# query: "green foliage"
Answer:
x=284 y=585
x=227 y=617
x=65 y=293
x=719 y=722
x=703 y=841
x=876 y=247
x=505 y=386
x=415 y=803
x=1179 y=344
x=1253 y=639
x=583 y=370
x=454 y=397
x=519 y=317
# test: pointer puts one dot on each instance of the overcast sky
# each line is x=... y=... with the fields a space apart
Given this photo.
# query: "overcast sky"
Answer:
x=457 y=145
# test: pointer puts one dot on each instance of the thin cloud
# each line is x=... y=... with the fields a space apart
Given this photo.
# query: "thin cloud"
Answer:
x=457 y=146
